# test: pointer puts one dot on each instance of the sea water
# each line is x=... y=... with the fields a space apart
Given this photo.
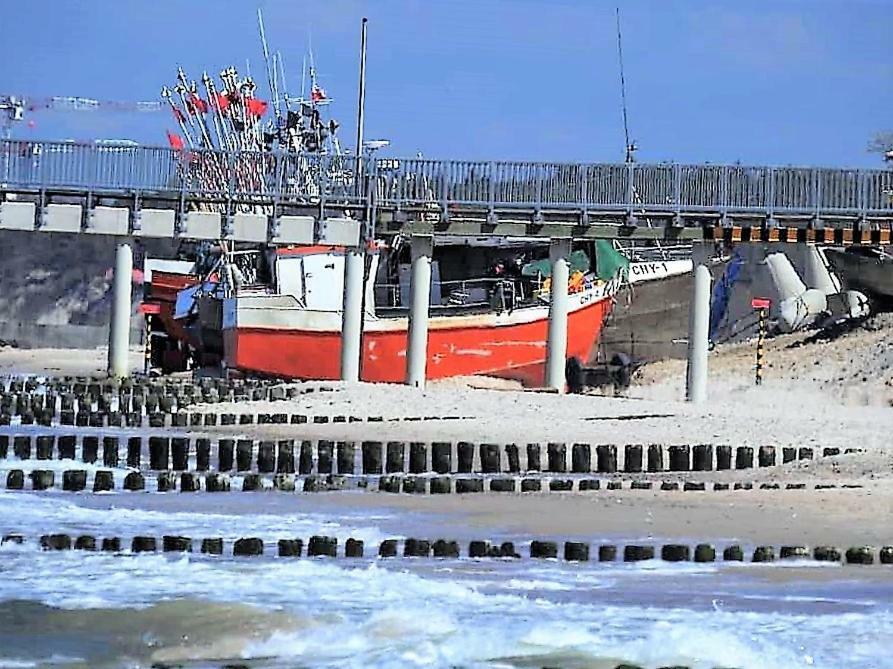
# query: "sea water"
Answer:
x=80 y=609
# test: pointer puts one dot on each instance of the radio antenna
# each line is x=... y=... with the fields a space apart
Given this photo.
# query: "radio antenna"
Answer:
x=630 y=147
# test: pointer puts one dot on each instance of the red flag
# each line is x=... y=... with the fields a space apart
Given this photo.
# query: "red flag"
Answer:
x=178 y=115
x=256 y=107
x=223 y=101
x=196 y=105
x=175 y=141
x=318 y=94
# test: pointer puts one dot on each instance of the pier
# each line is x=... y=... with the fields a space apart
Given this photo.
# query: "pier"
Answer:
x=290 y=198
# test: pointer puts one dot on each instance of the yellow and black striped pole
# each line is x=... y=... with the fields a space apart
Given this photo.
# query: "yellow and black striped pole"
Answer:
x=762 y=305
x=760 y=350
x=147 y=347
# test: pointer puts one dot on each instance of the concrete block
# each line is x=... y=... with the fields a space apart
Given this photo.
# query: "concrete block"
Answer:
x=339 y=231
x=154 y=223
x=201 y=225
x=248 y=228
x=388 y=548
x=294 y=230
x=61 y=218
x=108 y=220
x=17 y=215
x=290 y=547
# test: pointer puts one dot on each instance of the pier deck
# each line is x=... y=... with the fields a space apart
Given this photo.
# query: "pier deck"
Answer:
x=279 y=198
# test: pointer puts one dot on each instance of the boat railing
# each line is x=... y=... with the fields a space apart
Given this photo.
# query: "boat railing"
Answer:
x=655 y=252
x=499 y=293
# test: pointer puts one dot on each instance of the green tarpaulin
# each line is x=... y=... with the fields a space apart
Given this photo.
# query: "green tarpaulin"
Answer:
x=608 y=262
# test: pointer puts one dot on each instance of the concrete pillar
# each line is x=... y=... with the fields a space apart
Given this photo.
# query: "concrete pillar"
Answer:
x=119 y=335
x=352 y=317
x=419 y=299
x=698 y=333
x=556 y=344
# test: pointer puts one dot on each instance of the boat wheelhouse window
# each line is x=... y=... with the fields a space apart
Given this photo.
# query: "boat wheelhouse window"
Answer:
x=475 y=277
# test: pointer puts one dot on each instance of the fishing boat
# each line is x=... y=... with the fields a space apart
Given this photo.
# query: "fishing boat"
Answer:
x=867 y=269
x=278 y=309
x=491 y=325
x=650 y=318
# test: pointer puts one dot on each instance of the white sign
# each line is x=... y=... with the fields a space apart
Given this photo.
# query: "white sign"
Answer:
x=650 y=271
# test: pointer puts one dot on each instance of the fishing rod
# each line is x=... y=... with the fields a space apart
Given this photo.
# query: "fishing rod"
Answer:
x=213 y=100
x=179 y=115
x=271 y=76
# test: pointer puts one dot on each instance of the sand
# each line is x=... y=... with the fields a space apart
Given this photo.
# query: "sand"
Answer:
x=61 y=362
x=825 y=393
x=736 y=414
x=833 y=517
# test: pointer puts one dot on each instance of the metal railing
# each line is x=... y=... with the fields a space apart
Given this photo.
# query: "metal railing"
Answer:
x=447 y=184
x=470 y=292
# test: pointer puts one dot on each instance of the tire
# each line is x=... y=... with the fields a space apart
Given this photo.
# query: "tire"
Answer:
x=573 y=374
x=621 y=371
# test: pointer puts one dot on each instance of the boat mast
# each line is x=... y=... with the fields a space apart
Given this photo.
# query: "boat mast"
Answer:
x=361 y=98
x=630 y=147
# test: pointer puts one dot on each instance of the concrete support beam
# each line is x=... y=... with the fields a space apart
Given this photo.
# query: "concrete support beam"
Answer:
x=419 y=300
x=352 y=315
x=248 y=227
x=201 y=225
x=108 y=220
x=154 y=223
x=61 y=218
x=17 y=215
x=556 y=344
x=294 y=230
x=698 y=334
x=119 y=331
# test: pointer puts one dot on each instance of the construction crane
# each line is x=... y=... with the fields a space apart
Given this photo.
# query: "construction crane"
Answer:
x=13 y=108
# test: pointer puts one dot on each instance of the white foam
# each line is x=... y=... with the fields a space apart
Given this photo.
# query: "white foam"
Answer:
x=382 y=614
x=408 y=613
x=52 y=661
x=31 y=514
x=58 y=466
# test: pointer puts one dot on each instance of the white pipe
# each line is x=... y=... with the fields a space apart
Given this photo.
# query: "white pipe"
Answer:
x=352 y=317
x=419 y=299
x=698 y=333
x=556 y=344
x=119 y=330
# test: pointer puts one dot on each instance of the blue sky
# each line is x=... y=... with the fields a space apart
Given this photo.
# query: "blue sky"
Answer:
x=784 y=82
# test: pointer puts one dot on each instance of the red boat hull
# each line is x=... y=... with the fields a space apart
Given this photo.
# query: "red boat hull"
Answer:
x=456 y=347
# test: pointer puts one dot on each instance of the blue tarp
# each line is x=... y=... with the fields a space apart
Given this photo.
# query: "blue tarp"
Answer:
x=722 y=291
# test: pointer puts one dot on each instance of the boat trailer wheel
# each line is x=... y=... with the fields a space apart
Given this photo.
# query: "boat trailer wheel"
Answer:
x=617 y=373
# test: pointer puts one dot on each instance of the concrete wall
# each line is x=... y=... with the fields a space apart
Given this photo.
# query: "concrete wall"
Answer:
x=33 y=335
x=54 y=287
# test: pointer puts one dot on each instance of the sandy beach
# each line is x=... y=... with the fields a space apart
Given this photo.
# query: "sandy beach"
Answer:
x=789 y=409
x=270 y=612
